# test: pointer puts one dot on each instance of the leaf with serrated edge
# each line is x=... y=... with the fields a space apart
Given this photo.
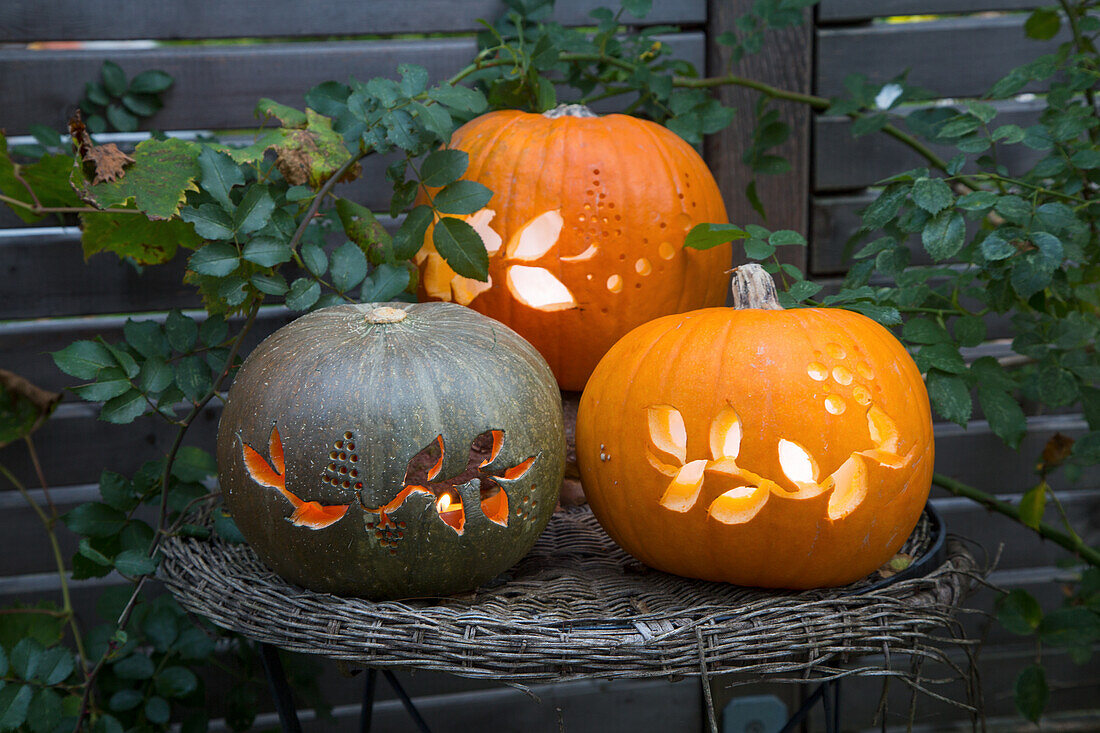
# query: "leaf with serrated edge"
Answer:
x=156 y=182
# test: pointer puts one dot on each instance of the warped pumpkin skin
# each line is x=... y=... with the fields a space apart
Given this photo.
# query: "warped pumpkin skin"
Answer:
x=585 y=231
x=758 y=446
x=392 y=451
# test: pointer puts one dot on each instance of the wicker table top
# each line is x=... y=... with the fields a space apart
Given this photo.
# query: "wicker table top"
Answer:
x=579 y=607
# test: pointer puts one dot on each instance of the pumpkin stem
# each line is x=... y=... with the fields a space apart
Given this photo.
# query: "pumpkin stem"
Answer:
x=753 y=287
x=385 y=314
x=568 y=110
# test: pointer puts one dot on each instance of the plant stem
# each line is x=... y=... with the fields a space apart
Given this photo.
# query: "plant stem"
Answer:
x=1078 y=42
x=59 y=559
x=41 y=476
x=63 y=209
x=1072 y=543
x=124 y=617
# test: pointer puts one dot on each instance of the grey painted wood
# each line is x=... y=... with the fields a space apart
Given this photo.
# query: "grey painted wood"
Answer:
x=26 y=345
x=71 y=285
x=851 y=10
x=217 y=87
x=843 y=162
x=952 y=58
x=786 y=62
x=64 y=20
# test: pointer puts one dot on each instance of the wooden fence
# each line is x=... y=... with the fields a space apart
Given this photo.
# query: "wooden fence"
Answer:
x=51 y=296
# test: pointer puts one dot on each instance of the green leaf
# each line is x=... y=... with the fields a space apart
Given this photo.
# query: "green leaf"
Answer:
x=386 y=281
x=349 y=266
x=1043 y=24
x=15 y=701
x=25 y=658
x=156 y=182
x=194 y=643
x=311 y=155
x=1056 y=386
x=274 y=284
x=994 y=248
x=108 y=724
x=944 y=235
x=315 y=259
x=142 y=105
x=55 y=665
x=462 y=248
x=443 y=166
x=1074 y=628
x=459 y=98
x=784 y=237
x=193 y=377
x=83 y=359
x=134 y=667
x=86 y=550
x=969 y=330
x=146 y=337
x=932 y=194
x=193 y=465
x=409 y=237
x=1033 y=505
x=181 y=331
x=950 y=396
x=220 y=174
x=1019 y=612
x=114 y=78
x=213 y=330
x=145 y=241
x=435 y=119
x=254 y=211
x=1031 y=693
x=303 y=293
x=125 y=699
x=885 y=208
x=210 y=221
x=706 y=236
x=176 y=682
x=109 y=383
x=462 y=197
x=288 y=116
x=94 y=519
x=217 y=260
x=227 y=528
x=134 y=563
x=921 y=330
x=364 y=229
x=150 y=82
x=1013 y=208
x=1006 y=417
x=117 y=491
x=124 y=409
x=158 y=711
x=161 y=627
x=44 y=713
x=267 y=251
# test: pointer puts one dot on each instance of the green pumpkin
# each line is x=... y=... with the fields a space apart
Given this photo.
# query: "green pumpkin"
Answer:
x=392 y=451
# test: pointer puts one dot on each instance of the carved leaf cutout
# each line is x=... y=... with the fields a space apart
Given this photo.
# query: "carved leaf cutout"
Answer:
x=739 y=505
x=537 y=288
x=683 y=490
x=535 y=238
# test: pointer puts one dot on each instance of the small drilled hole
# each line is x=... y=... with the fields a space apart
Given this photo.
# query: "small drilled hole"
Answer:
x=343 y=456
x=350 y=446
x=348 y=435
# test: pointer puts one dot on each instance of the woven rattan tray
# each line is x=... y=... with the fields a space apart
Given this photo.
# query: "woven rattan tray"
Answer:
x=579 y=607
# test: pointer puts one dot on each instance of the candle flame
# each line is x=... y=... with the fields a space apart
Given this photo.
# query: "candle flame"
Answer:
x=443 y=503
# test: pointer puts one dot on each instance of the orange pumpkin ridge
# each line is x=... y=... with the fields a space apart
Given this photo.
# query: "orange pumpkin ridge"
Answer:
x=627 y=192
x=824 y=476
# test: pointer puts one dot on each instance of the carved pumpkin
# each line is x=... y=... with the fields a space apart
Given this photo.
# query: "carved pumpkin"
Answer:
x=585 y=231
x=755 y=445
x=392 y=452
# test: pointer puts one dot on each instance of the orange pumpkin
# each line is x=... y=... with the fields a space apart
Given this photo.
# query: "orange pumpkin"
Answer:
x=585 y=231
x=755 y=445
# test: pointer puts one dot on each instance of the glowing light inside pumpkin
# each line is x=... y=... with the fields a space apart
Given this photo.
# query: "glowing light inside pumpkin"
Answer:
x=535 y=238
x=583 y=256
x=797 y=464
x=738 y=505
x=683 y=491
x=850 y=488
x=536 y=288
x=450 y=511
x=667 y=432
x=443 y=503
x=725 y=434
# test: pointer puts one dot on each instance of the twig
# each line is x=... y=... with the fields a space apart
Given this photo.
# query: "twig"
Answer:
x=1072 y=543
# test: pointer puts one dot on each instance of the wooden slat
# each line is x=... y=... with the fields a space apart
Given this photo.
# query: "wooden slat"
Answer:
x=217 y=87
x=843 y=162
x=785 y=62
x=71 y=285
x=952 y=58
x=833 y=11
x=26 y=345
x=64 y=20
